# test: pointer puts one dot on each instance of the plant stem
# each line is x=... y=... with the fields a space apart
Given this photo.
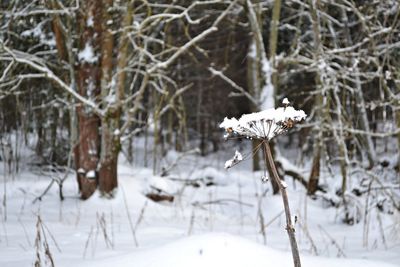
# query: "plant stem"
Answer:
x=282 y=188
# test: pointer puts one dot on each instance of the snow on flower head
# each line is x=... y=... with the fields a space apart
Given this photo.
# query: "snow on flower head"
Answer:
x=265 y=124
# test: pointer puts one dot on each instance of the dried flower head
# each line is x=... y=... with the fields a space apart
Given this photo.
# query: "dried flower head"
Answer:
x=263 y=125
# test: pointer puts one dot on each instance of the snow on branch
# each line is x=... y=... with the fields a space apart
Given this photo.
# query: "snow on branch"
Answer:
x=19 y=57
x=240 y=89
x=186 y=46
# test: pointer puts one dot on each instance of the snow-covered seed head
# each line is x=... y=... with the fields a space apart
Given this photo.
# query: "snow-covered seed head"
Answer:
x=265 y=124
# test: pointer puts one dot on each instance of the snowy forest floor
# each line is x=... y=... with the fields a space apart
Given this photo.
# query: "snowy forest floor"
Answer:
x=215 y=223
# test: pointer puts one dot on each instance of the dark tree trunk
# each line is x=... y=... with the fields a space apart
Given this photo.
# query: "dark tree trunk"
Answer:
x=312 y=186
x=88 y=148
x=108 y=168
x=89 y=74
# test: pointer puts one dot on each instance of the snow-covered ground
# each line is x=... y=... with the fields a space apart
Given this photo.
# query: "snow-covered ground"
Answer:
x=214 y=220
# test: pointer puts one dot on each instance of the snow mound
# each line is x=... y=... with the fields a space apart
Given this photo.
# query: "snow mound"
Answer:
x=157 y=184
x=210 y=176
x=219 y=249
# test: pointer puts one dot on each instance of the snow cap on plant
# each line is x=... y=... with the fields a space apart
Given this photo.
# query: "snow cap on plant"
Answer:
x=264 y=125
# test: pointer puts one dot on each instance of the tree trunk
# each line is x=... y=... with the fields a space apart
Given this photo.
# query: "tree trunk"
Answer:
x=110 y=136
x=319 y=102
x=398 y=139
x=40 y=134
x=255 y=77
x=89 y=86
x=273 y=44
x=111 y=142
x=315 y=170
x=108 y=171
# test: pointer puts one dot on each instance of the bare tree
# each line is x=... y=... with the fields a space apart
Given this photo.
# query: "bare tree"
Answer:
x=114 y=53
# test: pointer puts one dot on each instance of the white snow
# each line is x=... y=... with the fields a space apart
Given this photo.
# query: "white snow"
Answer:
x=37 y=32
x=90 y=22
x=91 y=174
x=284 y=184
x=252 y=49
x=210 y=175
x=285 y=101
x=87 y=54
x=92 y=152
x=157 y=184
x=209 y=226
x=117 y=132
x=111 y=98
x=220 y=249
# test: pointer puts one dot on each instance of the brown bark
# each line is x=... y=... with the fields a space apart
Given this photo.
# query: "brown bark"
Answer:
x=89 y=86
x=275 y=185
x=58 y=33
x=312 y=186
x=87 y=151
x=321 y=110
x=398 y=139
x=108 y=168
x=109 y=142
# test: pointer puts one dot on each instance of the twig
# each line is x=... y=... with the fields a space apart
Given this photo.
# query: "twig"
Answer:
x=221 y=202
x=274 y=219
x=261 y=219
x=44 y=192
x=87 y=241
x=140 y=218
x=308 y=235
x=332 y=240
x=191 y=223
x=129 y=218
